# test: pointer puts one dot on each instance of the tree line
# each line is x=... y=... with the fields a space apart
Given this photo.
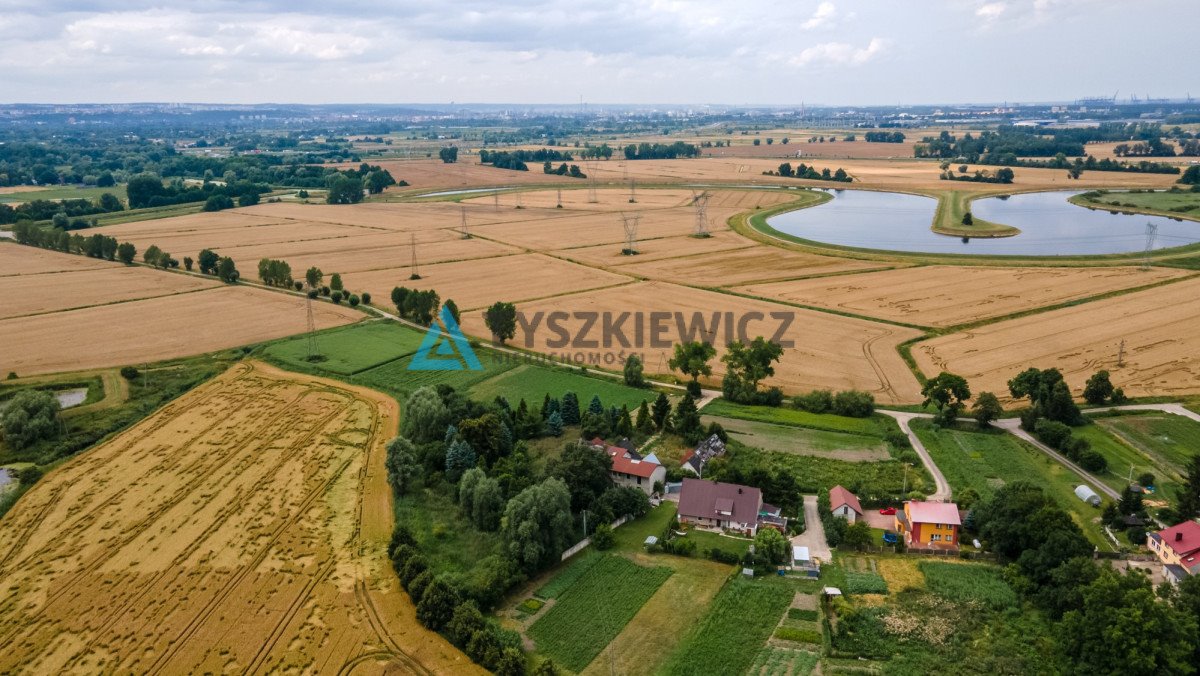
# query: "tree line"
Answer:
x=71 y=211
x=883 y=137
x=661 y=151
x=804 y=171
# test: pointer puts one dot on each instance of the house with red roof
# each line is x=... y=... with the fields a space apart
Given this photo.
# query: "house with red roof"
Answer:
x=845 y=504
x=932 y=525
x=631 y=469
x=1178 y=547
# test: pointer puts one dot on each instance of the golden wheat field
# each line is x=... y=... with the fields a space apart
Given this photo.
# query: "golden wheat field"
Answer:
x=940 y=295
x=1157 y=326
x=241 y=528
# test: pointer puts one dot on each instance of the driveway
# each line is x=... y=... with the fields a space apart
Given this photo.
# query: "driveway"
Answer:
x=876 y=520
x=942 y=494
x=1176 y=409
x=813 y=536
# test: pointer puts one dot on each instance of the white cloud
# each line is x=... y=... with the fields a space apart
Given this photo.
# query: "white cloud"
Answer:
x=839 y=53
x=991 y=11
x=825 y=14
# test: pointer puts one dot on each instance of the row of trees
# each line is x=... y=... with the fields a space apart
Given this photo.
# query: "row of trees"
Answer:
x=563 y=170
x=811 y=173
x=883 y=137
x=420 y=306
x=66 y=214
x=148 y=190
x=661 y=151
x=275 y=273
x=1003 y=175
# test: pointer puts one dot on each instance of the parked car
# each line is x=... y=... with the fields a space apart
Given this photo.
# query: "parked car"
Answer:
x=888 y=511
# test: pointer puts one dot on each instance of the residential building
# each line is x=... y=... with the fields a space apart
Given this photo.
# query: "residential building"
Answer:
x=714 y=504
x=845 y=504
x=929 y=524
x=631 y=469
x=1178 y=547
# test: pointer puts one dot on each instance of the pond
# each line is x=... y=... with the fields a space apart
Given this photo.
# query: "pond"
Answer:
x=1050 y=225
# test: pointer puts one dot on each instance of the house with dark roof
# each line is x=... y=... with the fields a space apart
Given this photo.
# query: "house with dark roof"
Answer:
x=845 y=504
x=1178 y=547
x=694 y=460
x=715 y=504
x=631 y=469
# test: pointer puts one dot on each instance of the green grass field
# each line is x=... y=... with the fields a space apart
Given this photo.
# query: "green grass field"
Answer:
x=742 y=616
x=532 y=382
x=1167 y=439
x=590 y=613
x=445 y=537
x=802 y=440
x=1174 y=202
x=569 y=574
x=966 y=583
x=62 y=193
x=772 y=661
x=351 y=349
x=870 y=481
x=1121 y=456
x=875 y=426
x=985 y=461
x=396 y=378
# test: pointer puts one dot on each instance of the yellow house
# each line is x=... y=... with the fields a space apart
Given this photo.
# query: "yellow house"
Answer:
x=929 y=524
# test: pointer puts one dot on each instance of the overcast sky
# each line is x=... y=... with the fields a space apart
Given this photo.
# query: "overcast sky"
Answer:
x=607 y=51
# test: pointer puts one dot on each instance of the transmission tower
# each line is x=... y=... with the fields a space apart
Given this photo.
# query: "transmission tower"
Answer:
x=496 y=200
x=630 y=221
x=1121 y=354
x=1151 y=236
x=592 y=199
x=519 y=201
x=311 y=328
x=559 y=206
x=465 y=233
x=700 y=200
x=415 y=273
x=632 y=191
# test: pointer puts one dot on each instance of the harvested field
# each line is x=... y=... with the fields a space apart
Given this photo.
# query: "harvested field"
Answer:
x=372 y=252
x=241 y=528
x=466 y=173
x=741 y=266
x=830 y=352
x=600 y=228
x=191 y=243
x=192 y=223
x=479 y=283
x=399 y=216
x=607 y=199
x=1157 y=325
x=83 y=288
x=658 y=249
x=947 y=295
x=16 y=260
x=155 y=329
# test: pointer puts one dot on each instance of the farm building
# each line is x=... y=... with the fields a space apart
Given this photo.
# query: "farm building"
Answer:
x=631 y=469
x=1178 y=547
x=1087 y=495
x=845 y=504
x=713 y=504
x=929 y=524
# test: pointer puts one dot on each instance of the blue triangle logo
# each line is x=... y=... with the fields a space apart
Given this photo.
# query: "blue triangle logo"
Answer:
x=448 y=342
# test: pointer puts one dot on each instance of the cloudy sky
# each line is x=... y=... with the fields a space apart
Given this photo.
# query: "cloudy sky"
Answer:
x=853 y=52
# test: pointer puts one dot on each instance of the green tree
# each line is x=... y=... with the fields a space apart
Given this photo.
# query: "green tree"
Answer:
x=110 y=203
x=335 y=282
x=1098 y=388
x=488 y=506
x=227 y=271
x=425 y=416
x=1187 y=501
x=771 y=546
x=947 y=391
x=662 y=409
x=585 y=471
x=746 y=365
x=437 y=605
x=313 y=277
x=856 y=536
x=634 y=371
x=343 y=189
x=152 y=255
x=459 y=458
x=218 y=203
x=143 y=188
x=378 y=180
x=28 y=417
x=449 y=154
x=554 y=424
x=207 y=261
x=644 y=423
x=501 y=320
x=570 y=409
x=686 y=420
x=402 y=465
x=126 y=253
x=987 y=408
x=692 y=359
x=537 y=524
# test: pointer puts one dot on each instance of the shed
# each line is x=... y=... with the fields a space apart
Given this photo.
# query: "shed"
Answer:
x=651 y=540
x=1087 y=495
x=800 y=556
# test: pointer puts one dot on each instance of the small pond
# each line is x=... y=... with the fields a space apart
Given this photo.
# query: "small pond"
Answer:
x=1050 y=225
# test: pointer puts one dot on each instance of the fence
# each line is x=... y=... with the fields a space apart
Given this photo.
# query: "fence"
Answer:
x=575 y=549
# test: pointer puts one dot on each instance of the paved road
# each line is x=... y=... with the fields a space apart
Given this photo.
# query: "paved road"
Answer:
x=1177 y=409
x=943 y=493
x=813 y=536
x=1013 y=426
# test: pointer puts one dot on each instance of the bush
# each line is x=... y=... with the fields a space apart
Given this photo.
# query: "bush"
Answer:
x=817 y=401
x=854 y=404
x=722 y=556
x=1051 y=432
x=129 y=373
x=29 y=417
x=602 y=538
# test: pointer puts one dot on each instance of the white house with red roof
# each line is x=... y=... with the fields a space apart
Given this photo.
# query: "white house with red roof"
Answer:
x=845 y=504
x=631 y=469
x=1178 y=547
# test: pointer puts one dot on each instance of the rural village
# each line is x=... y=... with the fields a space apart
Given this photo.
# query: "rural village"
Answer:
x=600 y=389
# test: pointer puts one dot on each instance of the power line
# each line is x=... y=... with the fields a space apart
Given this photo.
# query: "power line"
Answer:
x=465 y=233
x=311 y=340
x=415 y=272
x=630 y=223
x=1151 y=235
x=700 y=200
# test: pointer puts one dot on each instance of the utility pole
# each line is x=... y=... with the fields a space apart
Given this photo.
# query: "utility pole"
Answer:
x=465 y=233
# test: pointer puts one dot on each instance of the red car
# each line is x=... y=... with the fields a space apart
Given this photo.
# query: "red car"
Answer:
x=888 y=510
